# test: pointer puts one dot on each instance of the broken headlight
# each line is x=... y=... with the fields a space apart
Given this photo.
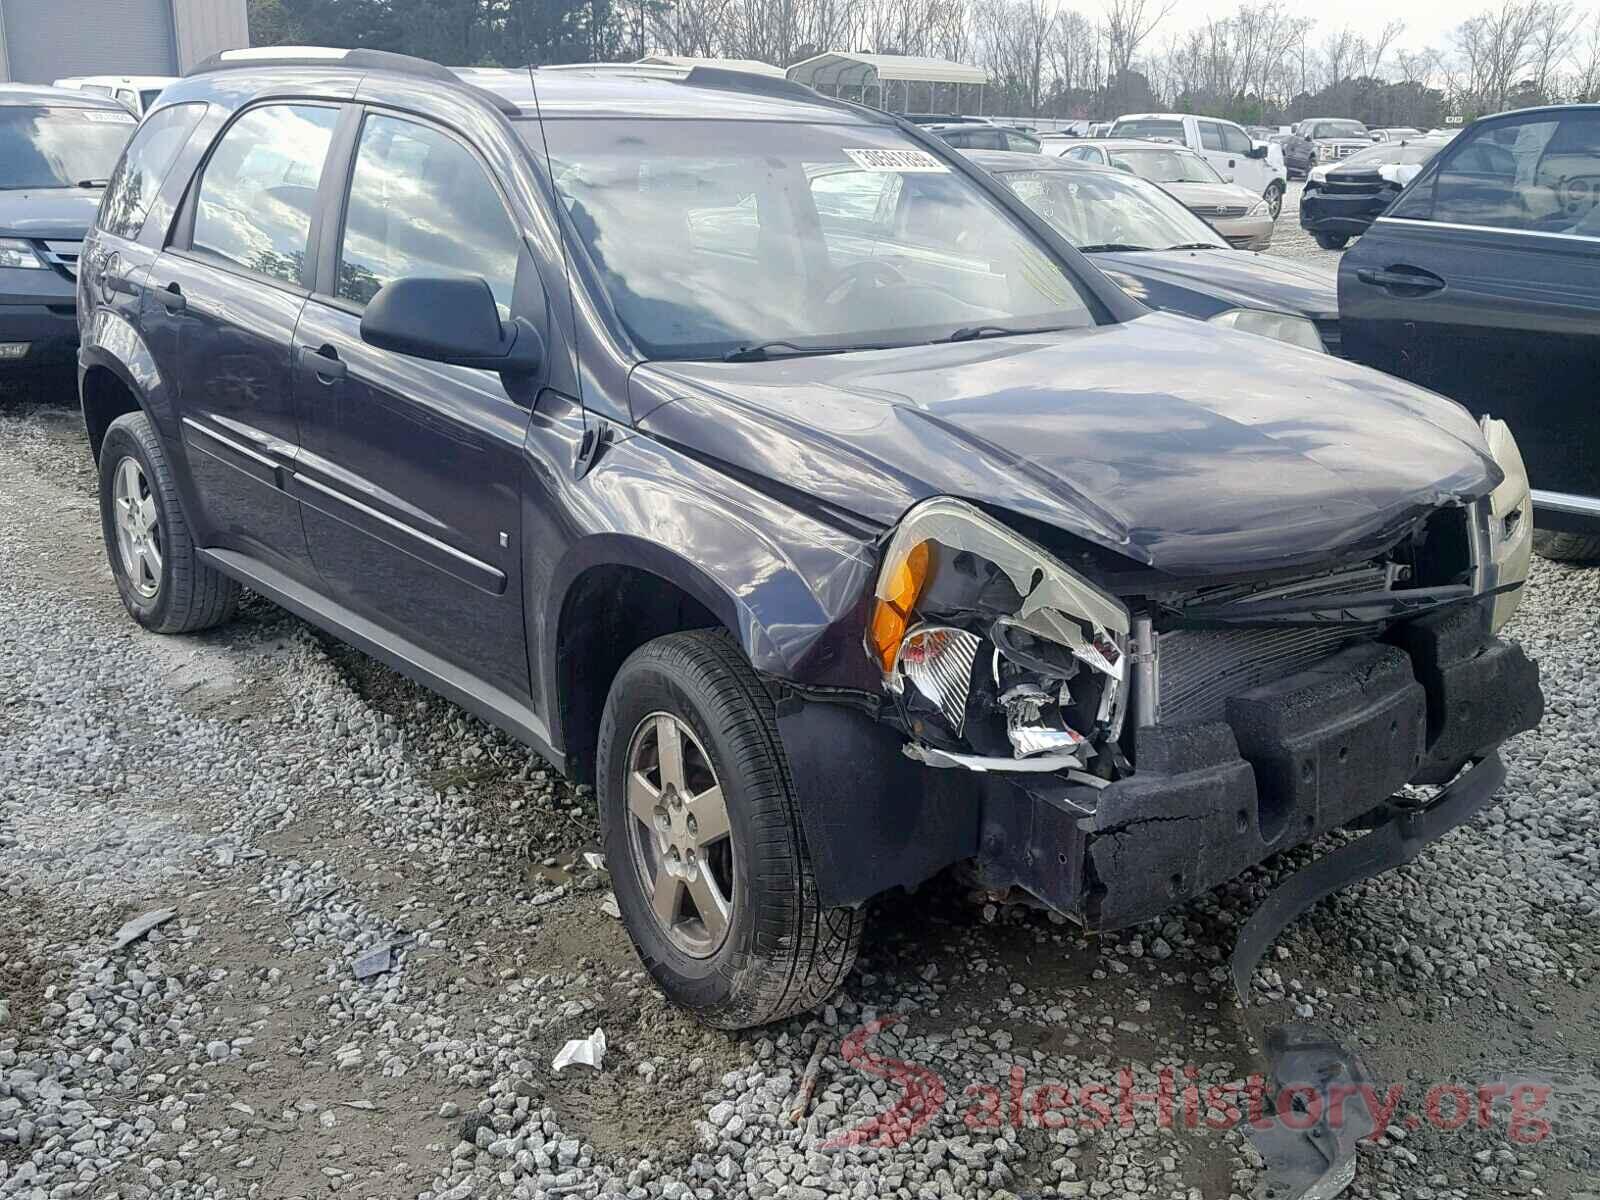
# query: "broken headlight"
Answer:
x=992 y=648
x=1509 y=518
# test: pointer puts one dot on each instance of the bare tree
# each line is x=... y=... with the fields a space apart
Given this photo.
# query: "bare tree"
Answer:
x=1496 y=47
x=1586 y=56
x=1378 y=46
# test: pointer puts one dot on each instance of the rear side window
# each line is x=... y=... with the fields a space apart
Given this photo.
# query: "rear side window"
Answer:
x=260 y=188
x=1022 y=142
x=1172 y=130
x=421 y=205
x=144 y=168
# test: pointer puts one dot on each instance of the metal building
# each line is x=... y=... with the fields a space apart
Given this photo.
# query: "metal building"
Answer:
x=43 y=40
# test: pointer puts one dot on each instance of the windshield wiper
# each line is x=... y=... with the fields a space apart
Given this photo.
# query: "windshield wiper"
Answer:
x=762 y=351
x=1117 y=246
x=970 y=333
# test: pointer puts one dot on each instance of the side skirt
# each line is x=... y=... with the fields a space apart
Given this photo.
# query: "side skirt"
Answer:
x=492 y=705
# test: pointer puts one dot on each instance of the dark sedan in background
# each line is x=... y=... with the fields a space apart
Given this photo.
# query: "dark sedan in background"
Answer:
x=1341 y=199
x=57 y=149
x=1164 y=256
x=1482 y=281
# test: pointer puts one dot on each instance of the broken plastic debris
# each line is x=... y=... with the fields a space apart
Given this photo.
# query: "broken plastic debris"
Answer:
x=380 y=958
x=609 y=907
x=139 y=926
x=590 y=1051
x=597 y=862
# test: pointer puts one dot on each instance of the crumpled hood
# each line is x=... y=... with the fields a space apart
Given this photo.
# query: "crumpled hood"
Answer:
x=1234 y=278
x=64 y=213
x=1193 y=449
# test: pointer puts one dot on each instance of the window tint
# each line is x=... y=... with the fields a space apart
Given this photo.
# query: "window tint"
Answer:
x=1234 y=139
x=1210 y=135
x=60 y=147
x=421 y=205
x=259 y=189
x=144 y=168
x=1021 y=142
x=1536 y=175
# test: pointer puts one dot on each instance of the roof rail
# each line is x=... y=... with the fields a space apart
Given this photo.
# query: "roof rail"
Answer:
x=360 y=60
x=750 y=81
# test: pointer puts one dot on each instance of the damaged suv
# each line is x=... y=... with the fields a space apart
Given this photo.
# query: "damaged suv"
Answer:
x=759 y=459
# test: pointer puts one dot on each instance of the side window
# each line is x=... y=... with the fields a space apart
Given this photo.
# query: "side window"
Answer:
x=1493 y=177
x=144 y=168
x=1086 y=154
x=1234 y=139
x=260 y=187
x=1210 y=135
x=1020 y=141
x=420 y=204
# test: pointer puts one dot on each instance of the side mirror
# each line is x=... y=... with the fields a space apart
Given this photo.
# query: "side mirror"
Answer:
x=1258 y=150
x=450 y=321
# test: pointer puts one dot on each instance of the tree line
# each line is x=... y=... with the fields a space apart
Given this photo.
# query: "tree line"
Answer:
x=1264 y=63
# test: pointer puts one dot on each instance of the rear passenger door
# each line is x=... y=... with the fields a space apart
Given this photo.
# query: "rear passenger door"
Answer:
x=218 y=312
x=1482 y=281
x=409 y=470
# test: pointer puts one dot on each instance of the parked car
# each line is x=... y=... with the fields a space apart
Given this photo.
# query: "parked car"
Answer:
x=1238 y=214
x=1256 y=166
x=137 y=93
x=825 y=586
x=1482 y=281
x=1323 y=139
x=986 y=136
x=1394 y=133
x=1162 y=255
x=57 y=149
x=1341 y=199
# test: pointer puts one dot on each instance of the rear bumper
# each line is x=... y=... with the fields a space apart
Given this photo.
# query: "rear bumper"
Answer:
x=1316 y=751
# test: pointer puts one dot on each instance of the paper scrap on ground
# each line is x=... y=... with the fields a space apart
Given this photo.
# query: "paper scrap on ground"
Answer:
x=589 y=1051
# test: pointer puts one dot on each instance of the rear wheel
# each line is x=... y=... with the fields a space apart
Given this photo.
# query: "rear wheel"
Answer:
x=702 y=832
x=1332 y=241
x=1566 y=547
x=1274 y=198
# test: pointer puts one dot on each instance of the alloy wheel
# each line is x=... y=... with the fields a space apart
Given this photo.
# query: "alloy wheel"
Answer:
x=138 y=527
x=679 y=835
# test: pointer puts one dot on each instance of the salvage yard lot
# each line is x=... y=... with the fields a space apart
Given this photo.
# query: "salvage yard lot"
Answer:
x=296 y=804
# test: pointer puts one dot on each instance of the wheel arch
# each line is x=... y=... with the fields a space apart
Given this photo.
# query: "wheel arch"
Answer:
x=117 y=374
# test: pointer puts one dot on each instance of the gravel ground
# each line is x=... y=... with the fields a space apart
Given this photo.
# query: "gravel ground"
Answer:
x=294 y=805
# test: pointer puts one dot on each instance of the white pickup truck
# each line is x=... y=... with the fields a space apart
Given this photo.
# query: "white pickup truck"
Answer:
x=1237 y=157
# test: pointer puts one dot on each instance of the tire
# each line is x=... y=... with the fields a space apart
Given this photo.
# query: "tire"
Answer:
x=174 y=592
x=1566 y=547
x=1274 y=198
x=780 y=952
x=1332 y=241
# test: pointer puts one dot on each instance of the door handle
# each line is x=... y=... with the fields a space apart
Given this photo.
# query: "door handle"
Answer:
x=172 y=298
x=324 y=363
x=1415 y=281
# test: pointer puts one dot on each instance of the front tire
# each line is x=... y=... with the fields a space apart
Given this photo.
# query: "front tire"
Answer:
x=1332 y=241
x=1566 y=547
x=164 y=585
x=1274 y=198
x=702 y=833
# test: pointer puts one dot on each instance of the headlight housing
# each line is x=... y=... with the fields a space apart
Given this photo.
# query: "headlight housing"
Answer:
x=1317 y=175
x=1282 y=327
x=16 y=253
x=1508 y=516
x=1259 y=207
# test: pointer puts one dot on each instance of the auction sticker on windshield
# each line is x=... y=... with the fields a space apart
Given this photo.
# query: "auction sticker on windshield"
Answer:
x=919 y=161
x=107 y=118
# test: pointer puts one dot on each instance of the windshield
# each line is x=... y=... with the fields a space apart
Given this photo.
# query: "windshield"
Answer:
x=709 y=237
x=59 y=147
x=1338 y=129
x=1149 y=129
x=1405 y=156
x=1166 y=166
x=1094 y=209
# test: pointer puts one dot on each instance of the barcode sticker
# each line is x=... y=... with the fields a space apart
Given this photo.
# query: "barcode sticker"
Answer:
x=907 y=161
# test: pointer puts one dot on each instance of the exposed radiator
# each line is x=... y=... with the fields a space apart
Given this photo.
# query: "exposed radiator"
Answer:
x=1198 y=669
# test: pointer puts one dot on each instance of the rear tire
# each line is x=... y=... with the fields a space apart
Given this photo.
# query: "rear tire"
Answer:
x=775 y=950
x=1332 y=241
x=1566 y=547
x=164 y=585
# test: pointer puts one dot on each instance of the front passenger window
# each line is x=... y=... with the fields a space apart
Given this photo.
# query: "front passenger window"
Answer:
x=421 y=205
x=260 y=188
x=1492 y=177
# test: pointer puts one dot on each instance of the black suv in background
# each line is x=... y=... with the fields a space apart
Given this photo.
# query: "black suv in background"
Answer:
x=775 y=468
x=1482 y=281
x=57 y=148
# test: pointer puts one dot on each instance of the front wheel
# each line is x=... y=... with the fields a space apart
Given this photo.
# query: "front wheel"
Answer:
x=1566 y=547
x=1274 y=198
x=1332 y=241
x=702 y=833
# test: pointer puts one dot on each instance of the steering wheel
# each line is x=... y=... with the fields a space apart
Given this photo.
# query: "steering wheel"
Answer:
x=870 y=271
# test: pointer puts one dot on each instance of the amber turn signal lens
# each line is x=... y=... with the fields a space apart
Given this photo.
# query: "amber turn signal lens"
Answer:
x=892 y=614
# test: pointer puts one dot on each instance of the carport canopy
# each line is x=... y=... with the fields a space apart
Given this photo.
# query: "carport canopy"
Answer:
x=901 y=83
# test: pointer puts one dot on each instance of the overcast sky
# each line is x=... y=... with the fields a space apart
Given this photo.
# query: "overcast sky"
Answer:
x=1428 y=22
